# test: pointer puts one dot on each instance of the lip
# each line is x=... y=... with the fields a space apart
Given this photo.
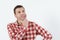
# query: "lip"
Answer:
x=23 y=16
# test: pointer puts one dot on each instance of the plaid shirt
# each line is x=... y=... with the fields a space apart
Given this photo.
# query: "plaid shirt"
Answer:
x=18 y=32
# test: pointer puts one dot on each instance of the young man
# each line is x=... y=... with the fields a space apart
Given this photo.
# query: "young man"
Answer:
x=23 y=29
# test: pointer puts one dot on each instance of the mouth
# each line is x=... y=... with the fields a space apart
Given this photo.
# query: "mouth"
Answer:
x=23 y=16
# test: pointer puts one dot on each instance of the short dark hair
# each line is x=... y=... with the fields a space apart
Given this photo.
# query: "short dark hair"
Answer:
x=18 y=6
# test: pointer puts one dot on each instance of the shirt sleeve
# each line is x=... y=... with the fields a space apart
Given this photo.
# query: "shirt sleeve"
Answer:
x=44 y=33
x=14 y=34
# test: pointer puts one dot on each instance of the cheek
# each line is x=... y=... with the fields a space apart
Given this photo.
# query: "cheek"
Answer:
x=18 y=16
x=23 y=15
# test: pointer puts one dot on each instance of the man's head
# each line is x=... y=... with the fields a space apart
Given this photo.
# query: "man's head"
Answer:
x=19 y=12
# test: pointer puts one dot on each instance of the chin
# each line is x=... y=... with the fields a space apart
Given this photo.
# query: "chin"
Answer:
x=23 y=19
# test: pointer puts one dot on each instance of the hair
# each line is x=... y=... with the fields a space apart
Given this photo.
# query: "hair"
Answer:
x=18 y=6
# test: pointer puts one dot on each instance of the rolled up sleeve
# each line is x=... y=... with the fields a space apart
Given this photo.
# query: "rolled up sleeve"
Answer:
x=44 y=33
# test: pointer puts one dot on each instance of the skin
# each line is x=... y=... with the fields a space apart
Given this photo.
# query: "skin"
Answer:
x=20 y=14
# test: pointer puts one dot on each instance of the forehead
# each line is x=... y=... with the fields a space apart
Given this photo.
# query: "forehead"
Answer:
x=20 y=9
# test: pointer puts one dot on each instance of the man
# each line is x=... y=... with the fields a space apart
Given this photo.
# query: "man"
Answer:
x=23 y=29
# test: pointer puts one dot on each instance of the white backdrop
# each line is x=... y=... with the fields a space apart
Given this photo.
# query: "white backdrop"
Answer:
x=46 y=13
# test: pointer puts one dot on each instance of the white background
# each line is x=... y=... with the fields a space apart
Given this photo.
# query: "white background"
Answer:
x=46 y=13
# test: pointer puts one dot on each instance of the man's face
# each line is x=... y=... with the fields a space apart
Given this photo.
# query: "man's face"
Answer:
x=20 y=13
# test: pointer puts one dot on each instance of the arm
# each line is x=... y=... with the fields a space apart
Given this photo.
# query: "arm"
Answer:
x=14 y=34
x=10 y=32
x=41 y=31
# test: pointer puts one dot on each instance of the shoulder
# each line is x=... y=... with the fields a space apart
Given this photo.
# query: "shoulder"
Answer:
x=9 y=25
x=33 y=23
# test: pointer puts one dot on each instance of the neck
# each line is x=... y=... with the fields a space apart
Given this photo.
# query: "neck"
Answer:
x=22 y=21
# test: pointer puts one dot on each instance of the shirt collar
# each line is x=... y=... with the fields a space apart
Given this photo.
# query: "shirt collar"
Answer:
x=16 y=22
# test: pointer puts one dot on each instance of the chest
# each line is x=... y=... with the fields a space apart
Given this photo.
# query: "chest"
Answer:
x=30 y=33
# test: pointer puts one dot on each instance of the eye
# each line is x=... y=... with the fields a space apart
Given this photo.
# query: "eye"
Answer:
x=19 y=12
x=23 y=11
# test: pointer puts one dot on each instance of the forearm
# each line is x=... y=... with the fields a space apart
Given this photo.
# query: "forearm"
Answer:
x=44 y=33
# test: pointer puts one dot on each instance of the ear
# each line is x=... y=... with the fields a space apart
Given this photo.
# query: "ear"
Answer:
x=15 y=15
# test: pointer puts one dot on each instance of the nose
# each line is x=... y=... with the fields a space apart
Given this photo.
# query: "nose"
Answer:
x=22 y=14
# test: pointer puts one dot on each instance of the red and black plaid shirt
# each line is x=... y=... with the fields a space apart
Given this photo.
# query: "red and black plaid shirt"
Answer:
x=18 y=32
